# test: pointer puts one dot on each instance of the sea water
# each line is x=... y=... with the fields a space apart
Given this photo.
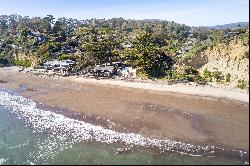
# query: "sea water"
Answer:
x=29 y=135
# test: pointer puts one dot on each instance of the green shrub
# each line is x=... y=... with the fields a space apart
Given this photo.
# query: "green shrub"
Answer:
x=218 y=76
x=246 y=55
x=24 y=63
x=141 y=75
x=208 y=75
x=242 y=84
x=228 y=76
x=191 y=70
x=200 y=80
x=178 y=76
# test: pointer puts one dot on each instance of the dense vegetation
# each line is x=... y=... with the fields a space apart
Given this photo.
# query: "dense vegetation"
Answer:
x=152 y=46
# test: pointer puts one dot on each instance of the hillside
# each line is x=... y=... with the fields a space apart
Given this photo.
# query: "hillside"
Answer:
x=153 y=47
x=227 y=58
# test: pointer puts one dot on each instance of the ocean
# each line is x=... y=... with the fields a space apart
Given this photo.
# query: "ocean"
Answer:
x=31 y=135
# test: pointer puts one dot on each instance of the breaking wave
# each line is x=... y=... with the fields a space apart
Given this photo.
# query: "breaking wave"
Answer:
x=2 y=161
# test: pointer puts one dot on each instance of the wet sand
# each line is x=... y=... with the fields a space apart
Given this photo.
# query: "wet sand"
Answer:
x=163 y=115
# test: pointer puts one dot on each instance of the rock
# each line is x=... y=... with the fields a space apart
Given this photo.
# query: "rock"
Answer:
x=3 y=81
x=31 y=89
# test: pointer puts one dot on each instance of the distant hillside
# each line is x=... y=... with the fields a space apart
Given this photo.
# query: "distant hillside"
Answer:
x=230 y=26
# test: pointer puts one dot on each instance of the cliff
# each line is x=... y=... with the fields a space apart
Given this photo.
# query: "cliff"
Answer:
x=227 y=58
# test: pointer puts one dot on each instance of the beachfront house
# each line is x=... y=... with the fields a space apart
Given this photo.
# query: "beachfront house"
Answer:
x=104 y=70
x=48 y=65
x=114 y=69
x=126 y=72
x=69 y=62
x=64 y=65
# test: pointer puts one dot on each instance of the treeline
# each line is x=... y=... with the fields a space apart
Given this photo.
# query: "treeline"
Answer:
x=153 y=46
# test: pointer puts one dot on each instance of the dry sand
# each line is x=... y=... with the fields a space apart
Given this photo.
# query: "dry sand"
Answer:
x=190 y=88
x=189 y=113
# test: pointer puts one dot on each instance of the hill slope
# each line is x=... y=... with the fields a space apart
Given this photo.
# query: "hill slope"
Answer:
x=227 y=58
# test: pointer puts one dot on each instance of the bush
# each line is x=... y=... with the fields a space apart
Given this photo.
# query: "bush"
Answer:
x=228 y=76
x=246 y=55
x=208 y=75
x=142 y=75
x=200 y=80
x=191 y=70
x=178 y=76
x=218 y=76
x=242 y=84
x=24 y=63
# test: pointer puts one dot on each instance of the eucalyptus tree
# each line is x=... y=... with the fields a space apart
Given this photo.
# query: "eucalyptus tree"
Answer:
x=3 y=23
x=46 y=24
x=99 y=44
x=149 y=58
x=13 y=21
x=24 y=23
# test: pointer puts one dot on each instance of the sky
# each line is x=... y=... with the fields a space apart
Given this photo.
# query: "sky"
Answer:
x=189 y=12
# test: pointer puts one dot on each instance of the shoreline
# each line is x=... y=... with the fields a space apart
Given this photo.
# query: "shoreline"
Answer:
x=155 y=114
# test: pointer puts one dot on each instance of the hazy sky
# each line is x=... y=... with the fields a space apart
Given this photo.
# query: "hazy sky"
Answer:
x=189 y=12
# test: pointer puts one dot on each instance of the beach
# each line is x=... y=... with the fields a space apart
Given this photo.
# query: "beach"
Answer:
x=188 y=113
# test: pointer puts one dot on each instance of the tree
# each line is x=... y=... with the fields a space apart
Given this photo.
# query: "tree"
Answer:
x=46 y=24
x=3 y=23
x=13 y=24
x=149 y=58
x=98 y=45
x=24 y=23
x=201 y=34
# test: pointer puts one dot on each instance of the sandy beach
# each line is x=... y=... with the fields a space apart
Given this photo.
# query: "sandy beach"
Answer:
x=185 y=112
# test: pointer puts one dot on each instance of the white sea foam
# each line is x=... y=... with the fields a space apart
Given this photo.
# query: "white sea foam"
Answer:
x=75 y=131
x=2 y=161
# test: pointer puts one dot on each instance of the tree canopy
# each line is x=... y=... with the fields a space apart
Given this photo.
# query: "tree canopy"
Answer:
x=150 y=45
